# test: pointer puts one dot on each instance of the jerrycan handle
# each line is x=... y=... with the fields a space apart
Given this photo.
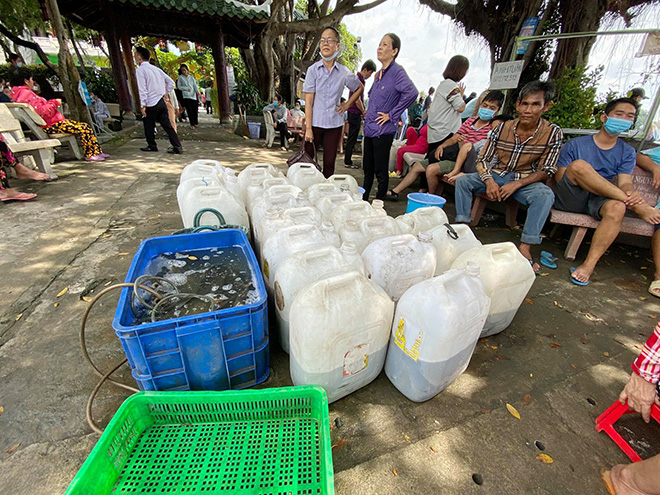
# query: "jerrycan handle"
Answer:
x=302 y=230
x=502 y=252
x=200 y=214
x=318 y=253
x=451 y=232
x=302 y=211
x=211 y=190
x=343 y=280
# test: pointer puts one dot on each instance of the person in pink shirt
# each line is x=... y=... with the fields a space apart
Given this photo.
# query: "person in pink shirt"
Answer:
x=414 y=144
x=22 y=92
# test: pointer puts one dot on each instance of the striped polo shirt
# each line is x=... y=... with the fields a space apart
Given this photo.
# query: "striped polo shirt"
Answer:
x=471 y=134
x=539 y=152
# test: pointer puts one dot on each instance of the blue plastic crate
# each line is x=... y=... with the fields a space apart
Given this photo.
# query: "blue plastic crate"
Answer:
x=218 y=350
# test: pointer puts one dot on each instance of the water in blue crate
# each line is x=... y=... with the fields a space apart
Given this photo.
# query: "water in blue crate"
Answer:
x=222 y=276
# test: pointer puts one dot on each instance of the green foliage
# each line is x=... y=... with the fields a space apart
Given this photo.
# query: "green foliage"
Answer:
x=38 y=71
x=247 y=95
x=351 y=53
x=234 y=59
x=102 y=85
x=576 y=100
x=20 y=15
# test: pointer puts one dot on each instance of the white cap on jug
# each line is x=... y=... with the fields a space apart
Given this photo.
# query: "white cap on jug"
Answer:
x=348 y=247
x=351 y=225
x=327 y=227
x=472 y=269
x=378 y=204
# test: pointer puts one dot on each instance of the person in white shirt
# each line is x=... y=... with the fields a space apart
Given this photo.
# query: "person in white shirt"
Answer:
x=153 y=85
x=100 y=110
x=208 y=104
x=188 y=86
x=296 y=111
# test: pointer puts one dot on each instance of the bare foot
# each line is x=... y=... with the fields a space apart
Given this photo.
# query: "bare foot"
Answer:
x=423 y=190
x=526 y=251
x=649 y=214
x=582 y=273
x=22 y=172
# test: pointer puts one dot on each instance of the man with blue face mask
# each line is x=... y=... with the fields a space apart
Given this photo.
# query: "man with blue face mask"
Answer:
x=278 y=109
x=594 y=176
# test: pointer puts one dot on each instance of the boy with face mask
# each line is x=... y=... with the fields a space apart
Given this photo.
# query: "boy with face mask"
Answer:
x=594 y=176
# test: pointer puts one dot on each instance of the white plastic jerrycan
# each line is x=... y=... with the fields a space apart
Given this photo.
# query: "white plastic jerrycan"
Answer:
x=328 y=204
x=275 y=220
x=450 y=242
x=230 y=183
x=363 y=232
x=184 y=188
x=356 y=210
x=339 y=330
x=257 y=188
x=290 y=240
x=304 y=268
x=507 y=276
x=304 y=175
x=217 y=198
x=275 y=196
x=316 y=192
x=201 y=168
x=435 y=330
x=397 y=263
x=340 y=179
x=422 y=220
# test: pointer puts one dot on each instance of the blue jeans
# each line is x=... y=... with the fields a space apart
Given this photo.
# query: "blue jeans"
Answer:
x=538 y=197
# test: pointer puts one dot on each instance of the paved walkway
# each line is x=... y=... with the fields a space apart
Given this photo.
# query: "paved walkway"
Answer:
x=569 y=348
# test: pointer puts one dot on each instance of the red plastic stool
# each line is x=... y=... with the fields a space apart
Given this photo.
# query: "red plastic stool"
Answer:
x=605 y=422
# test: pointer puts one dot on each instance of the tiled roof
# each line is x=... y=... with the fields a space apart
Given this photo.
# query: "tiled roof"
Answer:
x=214 y=8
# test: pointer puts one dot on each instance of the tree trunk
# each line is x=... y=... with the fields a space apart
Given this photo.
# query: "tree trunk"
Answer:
x=127 y=51
x=224 y=106
x=118 y=68
x=69 y=76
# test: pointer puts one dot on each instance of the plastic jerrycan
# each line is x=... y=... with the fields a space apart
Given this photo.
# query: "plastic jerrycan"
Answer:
x=201 y=168
x=397 y=263
x=276 y=220
x=357 y=210
x=302 y=269
x=328 y=204
x=290 y=240
x=422 y=220
x=340 y=179
x=304 y=175
x=450 y=242
x=272 y=196
x=231 y=184
x=435 y=330
x=339 y=329
x=376 y=227
x=316 y=192
x=507 y=277
x=184 y=188
x=250 y=176
x=217 y=198
x=257 y=188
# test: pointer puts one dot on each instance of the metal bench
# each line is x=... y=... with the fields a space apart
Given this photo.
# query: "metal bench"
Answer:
x=643 y=182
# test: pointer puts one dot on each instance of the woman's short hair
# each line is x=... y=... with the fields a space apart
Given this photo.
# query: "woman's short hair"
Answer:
x=396 y=43
x=456 y=68
x=182 y=66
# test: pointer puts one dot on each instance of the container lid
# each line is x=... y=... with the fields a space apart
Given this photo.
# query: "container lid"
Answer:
x=425 y=237
x=472 y=269
x=349 y=247
x=378 y=204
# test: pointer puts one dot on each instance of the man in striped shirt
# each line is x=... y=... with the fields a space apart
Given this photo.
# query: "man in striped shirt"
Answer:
x=639 y=478
x=527 y=150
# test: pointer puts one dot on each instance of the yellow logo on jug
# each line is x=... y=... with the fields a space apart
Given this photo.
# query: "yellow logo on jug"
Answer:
x=400 y=340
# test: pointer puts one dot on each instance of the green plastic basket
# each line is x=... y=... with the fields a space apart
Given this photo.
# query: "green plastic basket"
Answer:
x=271 y=441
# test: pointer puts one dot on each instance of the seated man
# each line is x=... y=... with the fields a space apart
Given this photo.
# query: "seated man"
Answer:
x=296 y=111
x=594 y=176
x=100 y=110
x=456 y=148
x=526 y=149
x=279 y=111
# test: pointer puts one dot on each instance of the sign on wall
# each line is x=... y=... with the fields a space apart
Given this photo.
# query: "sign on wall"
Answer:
x=506 y=75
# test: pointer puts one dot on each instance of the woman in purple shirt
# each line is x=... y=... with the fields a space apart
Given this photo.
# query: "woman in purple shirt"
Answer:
x=391 y=93
x=324 y=115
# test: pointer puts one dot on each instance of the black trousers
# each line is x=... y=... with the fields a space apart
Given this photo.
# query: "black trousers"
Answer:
x=158 y=113
x=192 y=109
x=354 y=122
x=375 y=161
x=284 y=133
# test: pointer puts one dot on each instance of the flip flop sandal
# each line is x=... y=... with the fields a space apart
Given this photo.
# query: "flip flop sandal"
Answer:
x=548 y=260
x=576 y=281
x=20 y=197
x=391 y=196
x=655 y=286
x=531 y=263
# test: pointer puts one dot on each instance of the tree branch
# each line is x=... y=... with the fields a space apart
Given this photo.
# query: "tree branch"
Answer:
x=442 y=7
x=363 y=8
x=28 y=44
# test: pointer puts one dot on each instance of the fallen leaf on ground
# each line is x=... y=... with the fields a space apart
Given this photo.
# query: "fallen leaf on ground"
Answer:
x=433 y=450
x=122 y=254
x=526 y=400
x=56 y=305
x=644 y=277
x=107 y=283
x=193 y=258
x=339 y=445
x=62 y=292
x=573 y=366
x=394 y=471
x=558 y=305
x=19 y=317
x=2 y=409
x=499 y=357
x=485 y=411
x=642 y=298
x=644 y=268
x=543 y=274
x=584 y=339
x=653 y=317
x=105 y=236
x=593 y=318
x=494 y=347
x=407 y=438
x=606 y=354
x=513 y=411
x=554 y=345
x=528 y=300
x=545 y=458
x=13 y=448
x=86 y=298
